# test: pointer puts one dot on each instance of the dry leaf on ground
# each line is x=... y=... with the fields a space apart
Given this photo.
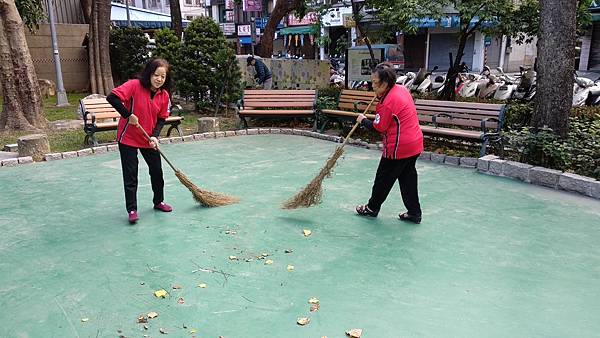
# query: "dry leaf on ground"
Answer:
x=142 y=319
x=233 y=258
x=290 y=267
x=83 y=320
x=152 y=314
x=306 y=232
x=268 y=262
x=313 y=300
x=180 y=301
x=303 y=321
x=354 y=333
x=160 y=293
x=314 y=307
x=288 y=251
x=163 y=331
x=176 y=287
x=202 y=285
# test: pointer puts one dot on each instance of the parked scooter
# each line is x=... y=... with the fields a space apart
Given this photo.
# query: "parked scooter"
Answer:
x=422 y=81
x=581 y=90
x=527 y=85
x=507 y=88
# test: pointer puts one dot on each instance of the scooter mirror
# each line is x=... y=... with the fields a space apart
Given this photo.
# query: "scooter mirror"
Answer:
x=435 y=68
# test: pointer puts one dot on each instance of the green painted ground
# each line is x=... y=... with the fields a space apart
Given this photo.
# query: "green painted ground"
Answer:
x=492 y=258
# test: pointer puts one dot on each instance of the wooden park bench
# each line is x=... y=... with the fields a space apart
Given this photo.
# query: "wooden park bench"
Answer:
x=277 y=104
x=99 y=115
x=350 y=104
x=470 y=121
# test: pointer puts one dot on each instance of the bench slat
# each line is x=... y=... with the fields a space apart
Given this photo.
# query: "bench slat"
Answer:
x=279 y=105
x=430 y=130
x=253 y=112
x=467 y=105
x=279 y=92
x=331 y=112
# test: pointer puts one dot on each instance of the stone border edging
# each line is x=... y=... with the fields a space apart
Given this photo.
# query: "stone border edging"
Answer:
x=489 y=164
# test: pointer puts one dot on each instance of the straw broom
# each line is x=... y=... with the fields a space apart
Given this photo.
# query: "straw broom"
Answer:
x=204 y=197
x=313 y=192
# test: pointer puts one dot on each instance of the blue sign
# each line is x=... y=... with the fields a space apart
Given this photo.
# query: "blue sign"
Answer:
x=262 y=23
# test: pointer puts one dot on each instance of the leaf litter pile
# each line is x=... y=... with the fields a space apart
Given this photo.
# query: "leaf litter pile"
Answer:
x=146 y=320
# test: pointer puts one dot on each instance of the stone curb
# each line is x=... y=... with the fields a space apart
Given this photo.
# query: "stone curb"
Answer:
x=488 y=164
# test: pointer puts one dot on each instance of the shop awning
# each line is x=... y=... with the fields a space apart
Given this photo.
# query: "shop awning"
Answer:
x=140 y=18
x=246 y=40
x=312 y=29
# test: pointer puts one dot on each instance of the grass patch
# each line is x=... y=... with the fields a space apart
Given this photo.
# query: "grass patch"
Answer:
x=71 y=140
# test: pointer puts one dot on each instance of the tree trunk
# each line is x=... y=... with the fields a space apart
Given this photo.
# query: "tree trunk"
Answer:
x=22 y=107
x=99 y=57
x=556 y=58
x=86 y=6
x=176 y=24
x=356 y=7
x=449 y=92
x=282 y=8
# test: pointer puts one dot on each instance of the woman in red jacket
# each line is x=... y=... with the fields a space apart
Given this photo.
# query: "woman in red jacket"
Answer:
x=398 y=124
x=142 y=103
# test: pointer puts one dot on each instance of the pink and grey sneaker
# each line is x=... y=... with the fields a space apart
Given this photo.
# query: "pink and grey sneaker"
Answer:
x=133 y=217
x=164 y=207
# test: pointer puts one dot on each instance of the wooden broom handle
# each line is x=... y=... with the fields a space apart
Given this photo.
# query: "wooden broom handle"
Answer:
x=358 y=123
x=160 y=152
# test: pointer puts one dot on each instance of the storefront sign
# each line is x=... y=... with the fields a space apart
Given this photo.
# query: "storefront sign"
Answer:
x=229 y=4
x=244 y=30
x=253 y=5
x=309 y=19
x=334 y=16
x=229 y=16
x=228 y=28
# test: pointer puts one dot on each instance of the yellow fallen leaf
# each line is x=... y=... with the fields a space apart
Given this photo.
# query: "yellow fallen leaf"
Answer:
x=202 y=285
x=152 y=314
x=268 y=262
x=142 y=319
x=160 y=293
x=306 y=232
x=313 y=300
x=192 y=331
x=303 y=321
x=233 y=258
x=83 y=320
x=290 y=267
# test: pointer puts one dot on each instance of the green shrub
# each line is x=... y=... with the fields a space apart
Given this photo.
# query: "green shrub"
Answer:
x=327 y=97
x=579 y=152
x=128 y=52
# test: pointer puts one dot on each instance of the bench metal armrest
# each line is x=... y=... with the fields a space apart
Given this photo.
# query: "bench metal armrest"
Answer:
x=177 y=108
x=434 y=118
x=491 y=119
x=356 y=103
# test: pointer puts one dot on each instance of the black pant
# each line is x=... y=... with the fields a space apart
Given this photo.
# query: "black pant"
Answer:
x=129 y=165
x=388 y=172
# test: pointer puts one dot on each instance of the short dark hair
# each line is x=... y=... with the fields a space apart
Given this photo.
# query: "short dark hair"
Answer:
x=249 y=59
x=386 y=73
x=149 y=70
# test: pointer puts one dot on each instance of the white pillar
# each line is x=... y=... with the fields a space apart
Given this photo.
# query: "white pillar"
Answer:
x=322 y=48
x=427 y=51
x=478 y=52
x=586 y=47
x=502 y=51
x=353 y=36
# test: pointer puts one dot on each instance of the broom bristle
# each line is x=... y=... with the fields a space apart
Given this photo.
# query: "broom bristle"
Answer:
x=312 y=193
x=204 y=197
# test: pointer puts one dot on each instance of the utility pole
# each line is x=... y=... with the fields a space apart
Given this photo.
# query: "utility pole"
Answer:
x=61 y=95
x=127 y=10
x=253 y=32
